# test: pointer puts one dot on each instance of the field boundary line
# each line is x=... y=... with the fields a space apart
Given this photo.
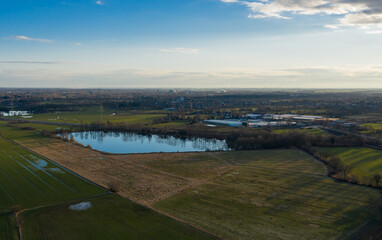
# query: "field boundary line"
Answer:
x=13 y=182
x=34 y=174
x=53 y=162
x=108 y=192
x=25 y=178
x=40 y=168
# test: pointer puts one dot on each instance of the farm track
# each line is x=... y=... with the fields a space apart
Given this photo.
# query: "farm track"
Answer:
x=91 y=197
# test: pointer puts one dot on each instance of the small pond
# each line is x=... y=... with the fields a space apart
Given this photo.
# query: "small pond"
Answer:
x=121 y=143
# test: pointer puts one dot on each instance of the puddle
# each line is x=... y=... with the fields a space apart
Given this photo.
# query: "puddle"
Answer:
x=56 y=170
x=81 y=206
x=41 y=163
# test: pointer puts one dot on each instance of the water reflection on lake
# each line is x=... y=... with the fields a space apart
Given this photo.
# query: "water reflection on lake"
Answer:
x=117 y=142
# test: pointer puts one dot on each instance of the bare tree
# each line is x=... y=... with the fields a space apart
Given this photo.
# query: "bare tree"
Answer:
x=377 y=179
x=336 y=164
x=346 y=169
x=325 y=156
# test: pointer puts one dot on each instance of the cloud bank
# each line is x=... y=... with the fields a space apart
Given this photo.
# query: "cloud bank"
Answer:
x=319 y=77
x=366 y=14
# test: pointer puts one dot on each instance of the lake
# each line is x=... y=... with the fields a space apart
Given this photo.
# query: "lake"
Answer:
x=122 y=143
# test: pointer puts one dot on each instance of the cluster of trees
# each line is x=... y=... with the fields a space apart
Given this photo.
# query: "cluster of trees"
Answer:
x=239 y=139
x=207 y=102
x=341 y=170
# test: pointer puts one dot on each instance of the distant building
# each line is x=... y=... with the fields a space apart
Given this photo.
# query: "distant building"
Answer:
x=254 y=116
x=230 y=123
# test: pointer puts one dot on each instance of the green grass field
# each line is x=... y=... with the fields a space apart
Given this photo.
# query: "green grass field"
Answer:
x=288 y=160
x=311 y=131
x=8 y=230
x=269 y=194
x=373 y=126
x=45 y=191
x=110 y=217
x=275 y=194
x=365 y=161
x=94 y=115
x=29 y=180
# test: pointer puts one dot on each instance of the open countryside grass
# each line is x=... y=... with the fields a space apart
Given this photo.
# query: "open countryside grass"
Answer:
x=311 y=131
x=29 y=180
x=365 y=161
x=291 y=160
x=272 y=194
x=94 y=115
x=373 y=126
x=8 y=229
x=110 y=217
x=39 y=126
x=257 y=203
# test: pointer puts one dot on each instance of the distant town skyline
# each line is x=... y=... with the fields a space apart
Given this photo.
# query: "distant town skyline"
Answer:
x=191 y=44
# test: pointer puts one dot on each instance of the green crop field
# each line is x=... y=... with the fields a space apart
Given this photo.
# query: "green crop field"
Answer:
x=94 y=115
x=365 y=161
x=45 y=191
x=7 y=227
x=373 y=126
x=274 y=194
x=312 y=131
x=29 y=180
x=110 y=217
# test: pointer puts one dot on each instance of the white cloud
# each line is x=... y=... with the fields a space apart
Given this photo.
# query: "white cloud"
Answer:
x=366 y=14
x=25 y=38
x=100 y=3
x=180 y=50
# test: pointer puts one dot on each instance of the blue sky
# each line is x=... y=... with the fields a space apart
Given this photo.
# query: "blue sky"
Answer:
x=191 y=43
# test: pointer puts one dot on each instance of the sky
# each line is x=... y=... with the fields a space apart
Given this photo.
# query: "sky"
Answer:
x=191 y=43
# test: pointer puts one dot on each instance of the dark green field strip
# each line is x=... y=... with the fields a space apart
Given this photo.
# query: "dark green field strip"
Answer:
x=29 y=180
x=262 y=203
x=8 y=230
x=233 y=218
x=299 y=202
x=60 y=176
x=110 y=217
x=275 y=177
x=365 y=161
x=283 y=160
x=237 y=214
x=296 y=184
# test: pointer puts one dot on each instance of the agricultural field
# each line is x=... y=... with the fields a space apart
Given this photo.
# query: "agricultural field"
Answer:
x=311 y=131
x=94 y=115
x=8 y=229
x=366 y=162
x=109 y=217
x=273 y=204
x=29 y=180
x=43 y=192
x=372 y=126
x=269 y=194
